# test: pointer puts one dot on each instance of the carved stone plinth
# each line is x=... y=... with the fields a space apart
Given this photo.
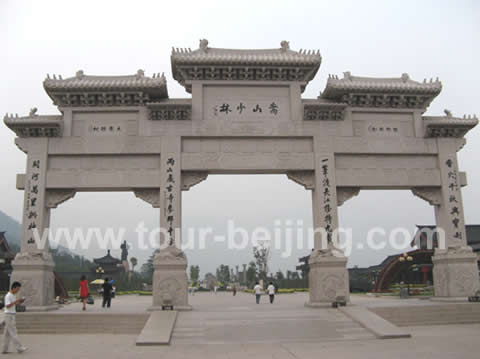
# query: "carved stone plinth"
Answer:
x=35 y=272
x=328 y=278
x=170 y=282
x=455 y=273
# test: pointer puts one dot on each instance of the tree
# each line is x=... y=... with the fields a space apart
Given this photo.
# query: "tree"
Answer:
x=134 y=262
x=194 y=273
x=251 y=273
x=261 y=253
x=279 y=275
x=147 y=268
x=210 y=280
x=223 y=274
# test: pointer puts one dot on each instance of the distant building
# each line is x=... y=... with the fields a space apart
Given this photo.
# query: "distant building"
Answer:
x=108 y=266
x=393 y=270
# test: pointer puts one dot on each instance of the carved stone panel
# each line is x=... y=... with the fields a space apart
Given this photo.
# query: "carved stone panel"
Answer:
x=191 y=178
x=150 y=195
x=303 y=178
x=58 y=196
x=432 y=195
x=346 y=193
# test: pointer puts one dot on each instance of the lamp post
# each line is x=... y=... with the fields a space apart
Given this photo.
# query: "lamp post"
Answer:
x=406 y=258
x=99 y=271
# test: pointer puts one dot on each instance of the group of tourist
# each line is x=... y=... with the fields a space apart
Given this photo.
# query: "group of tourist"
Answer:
x=107 y=292
x=257 y=290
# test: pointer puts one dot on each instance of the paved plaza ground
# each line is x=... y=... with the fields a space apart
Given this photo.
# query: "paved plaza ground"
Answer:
x=223 y=326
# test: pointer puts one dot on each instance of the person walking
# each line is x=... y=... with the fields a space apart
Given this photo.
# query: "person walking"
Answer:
x=271 y=292
x=84 y=292
x=258 y=292
x=234 y=290
x=107 y=293
x=10 y=331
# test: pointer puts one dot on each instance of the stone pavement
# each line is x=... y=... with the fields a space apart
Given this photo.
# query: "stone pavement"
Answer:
x=222 y=326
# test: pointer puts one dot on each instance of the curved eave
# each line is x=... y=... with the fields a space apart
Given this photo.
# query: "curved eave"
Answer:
x=180 y=62
x=335 y=91
x=336 y=88
x=448 y=126
x=37 y=126
x=154 y=87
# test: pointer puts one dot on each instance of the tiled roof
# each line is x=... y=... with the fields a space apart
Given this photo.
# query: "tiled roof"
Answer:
x=108 y=259
x=448 y=126
x=34 y=125
x=102 y=83
x=155 y=88
x=336 y=87
x=257 y=57
x=280 y=64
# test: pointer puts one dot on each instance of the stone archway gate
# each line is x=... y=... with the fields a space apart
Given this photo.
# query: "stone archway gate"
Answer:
x=245 y=115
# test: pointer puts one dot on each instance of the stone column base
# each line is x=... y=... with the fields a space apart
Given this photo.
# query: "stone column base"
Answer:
x=328 y=278
x=178 y=308
x=170 y=282
x=35 y=272
x=455 y=273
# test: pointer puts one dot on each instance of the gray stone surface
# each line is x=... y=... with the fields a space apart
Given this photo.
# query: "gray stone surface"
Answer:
x=158 y=329
x=245 y=115
x=381 y=328
x=318 y=333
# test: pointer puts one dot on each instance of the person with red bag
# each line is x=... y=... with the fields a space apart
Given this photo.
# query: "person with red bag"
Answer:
x=84 y=292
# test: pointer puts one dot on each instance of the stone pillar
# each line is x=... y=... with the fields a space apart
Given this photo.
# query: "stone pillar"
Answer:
x=244 y=274
x=328 y=277
x=33 y=266
x=455 y=270
x=170 y=281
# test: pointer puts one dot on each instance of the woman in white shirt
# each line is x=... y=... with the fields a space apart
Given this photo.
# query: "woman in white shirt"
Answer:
x=258 y=292
x=271 y=292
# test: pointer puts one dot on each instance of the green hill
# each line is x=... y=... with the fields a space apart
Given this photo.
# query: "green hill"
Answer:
x=12 y=229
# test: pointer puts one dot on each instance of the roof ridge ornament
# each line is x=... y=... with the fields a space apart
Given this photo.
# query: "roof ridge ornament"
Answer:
x=448 y=113
x=80 y=75
x=284 y=46
x=405 y=77
x=203 y=45
x=347 y=75
x=140 y=74
x=33 y=112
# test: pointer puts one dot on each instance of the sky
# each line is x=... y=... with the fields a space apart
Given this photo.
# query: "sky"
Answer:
x=368 y=38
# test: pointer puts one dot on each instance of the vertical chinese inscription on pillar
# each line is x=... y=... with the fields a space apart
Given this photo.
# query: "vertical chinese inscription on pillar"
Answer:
x=327 y=200
x=453 y=198
x=170 y=199
x=31 y=208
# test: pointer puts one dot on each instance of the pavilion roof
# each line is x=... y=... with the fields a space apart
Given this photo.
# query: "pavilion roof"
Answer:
x=107 y=260
x=207 y=63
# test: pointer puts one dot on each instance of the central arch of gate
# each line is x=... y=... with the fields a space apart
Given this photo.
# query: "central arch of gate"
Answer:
x=245 y=115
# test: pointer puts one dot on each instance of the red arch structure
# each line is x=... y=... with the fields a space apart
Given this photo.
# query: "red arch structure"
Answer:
x=395 y=266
